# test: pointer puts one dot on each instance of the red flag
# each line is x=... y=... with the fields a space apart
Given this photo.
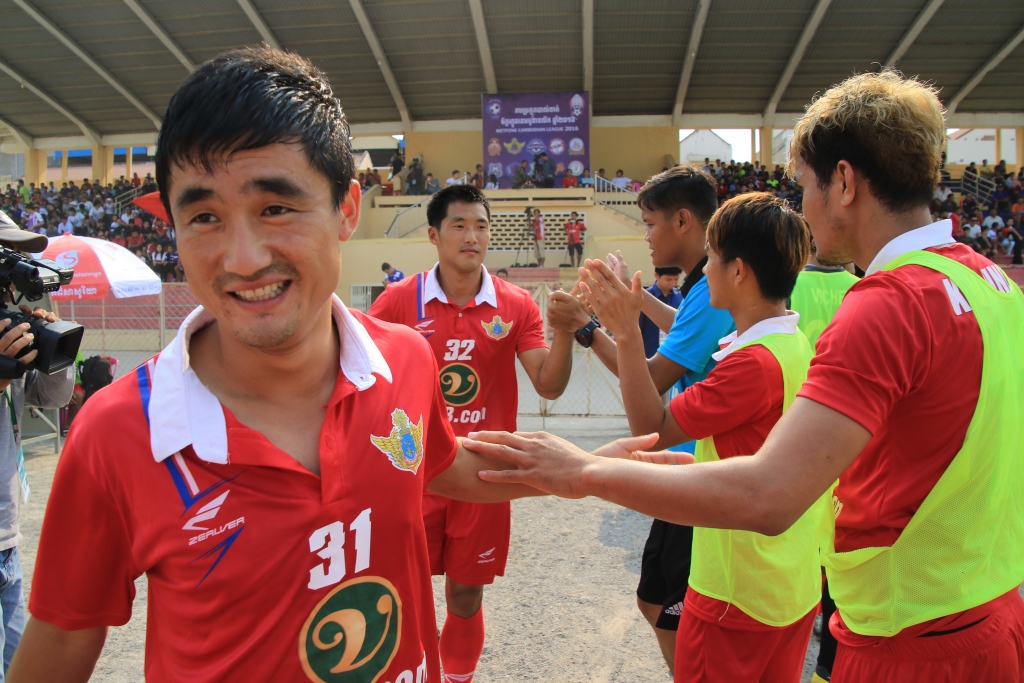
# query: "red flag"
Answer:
x=151 y=202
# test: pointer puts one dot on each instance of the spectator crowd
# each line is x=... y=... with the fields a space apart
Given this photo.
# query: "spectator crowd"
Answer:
x=90 y=210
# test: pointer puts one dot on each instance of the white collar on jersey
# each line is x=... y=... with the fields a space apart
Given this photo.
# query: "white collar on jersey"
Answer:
x=432 y=288
x=183 y=412
x=937 y=234
x=783 y=324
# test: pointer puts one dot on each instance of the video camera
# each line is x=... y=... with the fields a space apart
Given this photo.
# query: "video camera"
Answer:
x=56 y=344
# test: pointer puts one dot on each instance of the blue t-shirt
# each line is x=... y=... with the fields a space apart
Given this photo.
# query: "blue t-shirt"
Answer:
x=693 y=338
x=397 y=276
x=650 y=332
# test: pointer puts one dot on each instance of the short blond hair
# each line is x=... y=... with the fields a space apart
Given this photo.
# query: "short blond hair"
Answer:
x=890 y=128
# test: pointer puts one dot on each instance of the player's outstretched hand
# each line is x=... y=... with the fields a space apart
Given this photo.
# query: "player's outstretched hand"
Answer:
x=543 y=461
x=566 y=312
x=617 y=262
x=616 y=304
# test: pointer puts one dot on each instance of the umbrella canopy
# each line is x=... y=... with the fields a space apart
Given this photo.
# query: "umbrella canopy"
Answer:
x=151 y=202
x=100 y=267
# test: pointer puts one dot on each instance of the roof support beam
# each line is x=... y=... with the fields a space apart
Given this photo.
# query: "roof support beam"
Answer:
x=85 y=57
x=21 y=136
x=87 y=131
x=696 y=31
x=382 y=61
x=161 y=34
x=588 y=48
x=992 y=63
x=261 y=26
x=794 y=60
x=476 y=10
x=913 y=32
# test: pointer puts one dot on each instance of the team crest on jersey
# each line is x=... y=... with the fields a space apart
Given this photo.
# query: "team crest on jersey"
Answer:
x=404 y=445
x=353 y=634
x=497 y=328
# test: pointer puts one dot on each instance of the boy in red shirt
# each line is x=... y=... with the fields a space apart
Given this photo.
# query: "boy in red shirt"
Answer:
x=912 y=403
x=477 y=326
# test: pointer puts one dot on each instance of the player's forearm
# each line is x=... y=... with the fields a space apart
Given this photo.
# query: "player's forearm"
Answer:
x=48 y=653
x=722 y=494
x=461 y=480
x=660 y=313
x=603 y=347
x=644 y=410
x=554 y=373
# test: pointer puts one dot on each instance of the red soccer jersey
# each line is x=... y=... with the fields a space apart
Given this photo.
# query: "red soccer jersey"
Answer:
x=575 y=231
x=475 y=346
x=737 y=404
x=902 y=358
x=258 y=569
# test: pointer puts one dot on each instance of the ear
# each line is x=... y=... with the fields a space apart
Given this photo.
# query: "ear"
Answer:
x=683 y=219
x=739 y=271
x=349 y=209
x=848 y=179
x=433 y=235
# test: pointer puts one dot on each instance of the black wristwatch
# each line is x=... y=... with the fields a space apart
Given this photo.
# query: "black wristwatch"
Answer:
x=585 y=335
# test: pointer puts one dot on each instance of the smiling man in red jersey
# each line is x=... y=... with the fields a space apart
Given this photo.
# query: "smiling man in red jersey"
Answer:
x=266 y=470
x=912 y=403
x=477 y=326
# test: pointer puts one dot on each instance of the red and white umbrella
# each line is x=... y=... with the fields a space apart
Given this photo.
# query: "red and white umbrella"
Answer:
x=101 y=267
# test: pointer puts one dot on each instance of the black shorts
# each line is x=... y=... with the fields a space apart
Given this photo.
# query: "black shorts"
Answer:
x=665 y=571
x=578 y=248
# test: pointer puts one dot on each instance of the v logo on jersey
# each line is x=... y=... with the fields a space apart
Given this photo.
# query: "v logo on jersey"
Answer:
x=207 y=512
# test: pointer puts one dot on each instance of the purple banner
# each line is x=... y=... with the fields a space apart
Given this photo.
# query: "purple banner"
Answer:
x=523 y=126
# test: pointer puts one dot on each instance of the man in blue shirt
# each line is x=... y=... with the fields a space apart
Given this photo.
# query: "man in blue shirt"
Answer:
x=391 y=274
x=665 y=289
x=676 y=206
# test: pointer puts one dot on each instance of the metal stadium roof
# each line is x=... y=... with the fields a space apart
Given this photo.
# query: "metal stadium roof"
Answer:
x=101 y=71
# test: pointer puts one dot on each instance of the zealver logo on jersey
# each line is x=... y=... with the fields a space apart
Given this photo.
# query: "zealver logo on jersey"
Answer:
x=424 y=327
x=404 y=445
x=353 y=634
x=497 y=328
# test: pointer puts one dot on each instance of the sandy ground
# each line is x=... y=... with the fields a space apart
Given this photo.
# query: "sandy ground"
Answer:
x=565 y=611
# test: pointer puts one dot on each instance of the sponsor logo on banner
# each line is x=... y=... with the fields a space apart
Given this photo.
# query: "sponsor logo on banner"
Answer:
x=575 y=146
x=576 y=168
x=536 y=146
x=577 y=105
x=404 y=445
x=494 y=108
x=494 y=147
x=494 y=169
x=556 y=146
x=514 y=146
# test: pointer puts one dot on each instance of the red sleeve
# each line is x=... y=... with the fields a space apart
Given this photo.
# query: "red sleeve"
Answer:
x=872 y=353
x=84 y=574
x=531 y=335
x=440 y=446
x=381 y=308
x=735 y=393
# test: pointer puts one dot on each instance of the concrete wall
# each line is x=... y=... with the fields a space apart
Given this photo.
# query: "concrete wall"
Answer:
x=445 y=152
x=639 y=152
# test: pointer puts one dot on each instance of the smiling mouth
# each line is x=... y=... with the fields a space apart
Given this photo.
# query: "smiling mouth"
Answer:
x=262 y=293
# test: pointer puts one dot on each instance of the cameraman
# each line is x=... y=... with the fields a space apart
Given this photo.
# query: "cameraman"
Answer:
x=35 y=389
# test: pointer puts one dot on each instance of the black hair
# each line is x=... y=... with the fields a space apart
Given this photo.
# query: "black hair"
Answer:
x=681 y=187
x=668 y=270
x=251 y=98
x=437 y=209
x=767 y=235
x=384 y=267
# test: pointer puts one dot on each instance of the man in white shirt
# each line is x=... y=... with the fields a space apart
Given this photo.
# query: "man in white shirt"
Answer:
x=97 y=212
x=620 y=181
x=66 y=227
x=993 y=220
x=456 y=179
